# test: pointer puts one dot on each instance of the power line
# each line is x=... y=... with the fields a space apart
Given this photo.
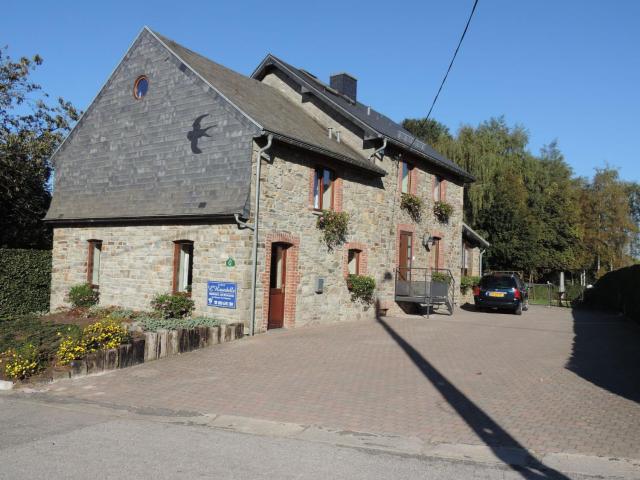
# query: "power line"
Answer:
x=435 y=99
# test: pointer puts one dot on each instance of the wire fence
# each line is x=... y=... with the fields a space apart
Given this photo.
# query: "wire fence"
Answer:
x=549 y=294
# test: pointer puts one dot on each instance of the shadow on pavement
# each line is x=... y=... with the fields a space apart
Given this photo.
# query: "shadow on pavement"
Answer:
x=492 y=434
x=606 y=352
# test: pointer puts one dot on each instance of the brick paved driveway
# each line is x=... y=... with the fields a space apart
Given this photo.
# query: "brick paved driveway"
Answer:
x=548 y=381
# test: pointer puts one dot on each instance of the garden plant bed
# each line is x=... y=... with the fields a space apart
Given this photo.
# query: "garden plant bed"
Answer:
x=149 y=346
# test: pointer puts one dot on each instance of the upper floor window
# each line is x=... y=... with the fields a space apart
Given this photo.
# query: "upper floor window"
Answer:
x=407 y=178
x=140 y=87
x=93 y=262
x=353 y=261
x=323 y=189
x=438 y=188
x=182 y=266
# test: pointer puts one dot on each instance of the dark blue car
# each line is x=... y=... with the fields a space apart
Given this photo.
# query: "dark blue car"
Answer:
x=503 y=291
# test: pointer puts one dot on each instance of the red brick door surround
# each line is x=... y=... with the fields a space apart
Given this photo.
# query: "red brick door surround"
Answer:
x=291 y=277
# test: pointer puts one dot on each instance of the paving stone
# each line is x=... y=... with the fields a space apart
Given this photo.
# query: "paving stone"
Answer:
x=545 y=382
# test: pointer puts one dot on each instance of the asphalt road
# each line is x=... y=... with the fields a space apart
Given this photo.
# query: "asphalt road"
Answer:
x=40 y=439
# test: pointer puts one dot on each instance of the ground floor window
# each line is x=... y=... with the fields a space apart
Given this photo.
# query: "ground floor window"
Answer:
x=93 y=262
x=353 y=261
x=437 y=247
x=182 y=266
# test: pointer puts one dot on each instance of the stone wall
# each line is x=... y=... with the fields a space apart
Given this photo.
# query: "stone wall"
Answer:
x=375 y=221
x=137 y=263
x=374 y=207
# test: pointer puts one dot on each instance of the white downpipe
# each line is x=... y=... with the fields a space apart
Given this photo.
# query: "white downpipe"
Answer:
x=254 y=253
x=481 y=255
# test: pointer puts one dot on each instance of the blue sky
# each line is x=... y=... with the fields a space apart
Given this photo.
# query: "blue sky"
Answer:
x=564 y=69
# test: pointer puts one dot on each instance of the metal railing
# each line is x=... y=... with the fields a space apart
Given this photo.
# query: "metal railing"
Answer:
x=417 y=285
x=549 y=294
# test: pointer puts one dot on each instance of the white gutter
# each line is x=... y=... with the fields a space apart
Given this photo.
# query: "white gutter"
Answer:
x=254 y=253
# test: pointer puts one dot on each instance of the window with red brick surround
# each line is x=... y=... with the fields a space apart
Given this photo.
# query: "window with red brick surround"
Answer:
x=320 y=198
x=439 y=189
x=438 y=251
x=407 y=177
x=292 y=277
x=359 y=255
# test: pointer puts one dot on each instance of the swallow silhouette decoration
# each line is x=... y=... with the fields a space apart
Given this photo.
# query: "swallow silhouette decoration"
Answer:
x=197 y=133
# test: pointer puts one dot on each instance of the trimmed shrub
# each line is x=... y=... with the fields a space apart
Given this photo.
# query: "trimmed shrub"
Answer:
x=361 y=287
x=334 y=226
x=25 y=281
x=172 y=305
x=619 y=291
x=152 y=324
x=83 y=295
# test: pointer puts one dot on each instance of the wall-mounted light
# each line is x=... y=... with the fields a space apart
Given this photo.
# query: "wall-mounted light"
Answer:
x=429 y=241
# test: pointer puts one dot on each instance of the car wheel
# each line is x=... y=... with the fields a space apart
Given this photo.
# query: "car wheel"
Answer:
x=518 y=310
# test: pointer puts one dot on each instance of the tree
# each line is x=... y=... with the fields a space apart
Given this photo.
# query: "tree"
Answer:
x=607 y=221
x=429 y=131
x=634 y=207
x=30 y=130
x=530 y=207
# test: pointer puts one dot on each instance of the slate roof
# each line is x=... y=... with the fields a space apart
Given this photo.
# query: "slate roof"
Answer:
x=269 y=109
x=371 y=120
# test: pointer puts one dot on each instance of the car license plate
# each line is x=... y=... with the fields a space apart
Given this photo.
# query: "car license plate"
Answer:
x=497 y=294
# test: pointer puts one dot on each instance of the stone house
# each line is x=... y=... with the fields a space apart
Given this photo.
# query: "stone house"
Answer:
x=159 y=185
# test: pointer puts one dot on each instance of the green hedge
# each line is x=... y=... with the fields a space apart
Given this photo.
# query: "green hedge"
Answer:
x=25 y=281
x=618 y=290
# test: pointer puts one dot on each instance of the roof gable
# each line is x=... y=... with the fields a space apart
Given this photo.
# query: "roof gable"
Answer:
x=373 y=123
x=133 y=158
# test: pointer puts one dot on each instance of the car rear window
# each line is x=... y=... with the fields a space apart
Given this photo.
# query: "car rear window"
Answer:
x=498 y=282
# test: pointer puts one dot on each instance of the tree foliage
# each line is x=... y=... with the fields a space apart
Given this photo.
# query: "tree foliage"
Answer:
x=538 y=217
x=31 y=127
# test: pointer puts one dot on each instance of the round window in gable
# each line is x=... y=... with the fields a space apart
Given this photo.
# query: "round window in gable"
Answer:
x=140 y=87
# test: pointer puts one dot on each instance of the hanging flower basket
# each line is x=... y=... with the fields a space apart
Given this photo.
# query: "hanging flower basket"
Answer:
x=442 y=211
x=412 y=204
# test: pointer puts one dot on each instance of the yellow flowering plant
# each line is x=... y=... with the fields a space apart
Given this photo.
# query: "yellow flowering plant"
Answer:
x=21 y=363
x=105 y=334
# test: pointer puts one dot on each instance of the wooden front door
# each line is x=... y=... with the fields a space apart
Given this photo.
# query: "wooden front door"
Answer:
x=277 y=282
x=405 y=255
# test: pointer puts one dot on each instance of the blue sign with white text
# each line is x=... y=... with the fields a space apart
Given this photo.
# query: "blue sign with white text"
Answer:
x=222 y=294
